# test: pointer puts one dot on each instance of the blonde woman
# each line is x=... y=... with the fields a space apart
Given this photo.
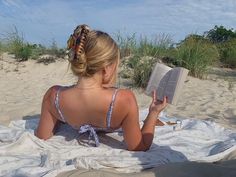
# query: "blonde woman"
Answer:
x=93 y=104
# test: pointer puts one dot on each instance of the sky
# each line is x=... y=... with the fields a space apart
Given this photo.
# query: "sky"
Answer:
x=42 y=21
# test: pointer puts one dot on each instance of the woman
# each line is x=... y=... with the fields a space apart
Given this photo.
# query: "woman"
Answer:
x=93 y=103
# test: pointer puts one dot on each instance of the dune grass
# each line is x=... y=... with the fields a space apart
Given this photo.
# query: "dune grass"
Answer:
x=127 y=44
x=1 y=48
x=227 y=52
x=140 y=55
x=194 y=53
x=197 y=55
x=16 y=44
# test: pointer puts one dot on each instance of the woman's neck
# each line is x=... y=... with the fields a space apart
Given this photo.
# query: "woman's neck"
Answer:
x=90 y=82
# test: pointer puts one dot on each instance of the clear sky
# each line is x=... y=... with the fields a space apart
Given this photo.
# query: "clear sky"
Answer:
x=41 y=21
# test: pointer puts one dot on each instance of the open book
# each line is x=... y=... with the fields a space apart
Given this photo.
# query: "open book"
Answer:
x=167 y=81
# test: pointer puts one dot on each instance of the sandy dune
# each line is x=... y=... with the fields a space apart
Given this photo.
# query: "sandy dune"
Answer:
x=22 y=86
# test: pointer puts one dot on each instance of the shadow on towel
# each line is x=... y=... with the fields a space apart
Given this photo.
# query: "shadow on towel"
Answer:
x=184 y=169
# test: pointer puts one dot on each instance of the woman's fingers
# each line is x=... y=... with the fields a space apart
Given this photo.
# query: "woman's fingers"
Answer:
x=164 y=100
x=164 y=103
x=155 y=95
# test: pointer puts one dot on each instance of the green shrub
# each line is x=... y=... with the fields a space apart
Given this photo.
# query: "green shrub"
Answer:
x=17 y=46
x=24 y=52
x=1 y=47
x=126 y=44
x=157 y=47
x=139 y=69
x=55 y=51
x=37 y=51
x=142 y=71
x=197 y=55
x=228 y=53
x=144 y=53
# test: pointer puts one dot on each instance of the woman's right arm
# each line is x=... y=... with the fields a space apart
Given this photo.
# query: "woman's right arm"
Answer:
x=47 y=120
x=140 y=139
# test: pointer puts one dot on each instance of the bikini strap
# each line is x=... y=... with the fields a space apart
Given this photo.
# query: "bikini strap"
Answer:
x=109 y=113
x=62 y=118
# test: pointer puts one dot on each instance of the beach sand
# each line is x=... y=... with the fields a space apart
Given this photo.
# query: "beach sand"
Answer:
x=23 y=84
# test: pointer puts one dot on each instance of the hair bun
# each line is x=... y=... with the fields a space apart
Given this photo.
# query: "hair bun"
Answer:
x=91 y=51
x=76 y=42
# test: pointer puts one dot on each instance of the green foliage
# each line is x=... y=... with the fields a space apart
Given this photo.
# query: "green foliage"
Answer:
x=15 y=42
x=126 y=44
x=155 y=47
x=194 y=53
x=142 y=56
x=158 y=47
x=225 y=42
x=197 y=55
x=55 y=51
x=17 y=46
x=1 y=47
x=220 y=34
x=141 y=69
x=228 y=53
x=24 y=52
x=37 y=51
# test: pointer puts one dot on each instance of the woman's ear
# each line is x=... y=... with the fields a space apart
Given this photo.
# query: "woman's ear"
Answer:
x=106 y=72
x=109 y=74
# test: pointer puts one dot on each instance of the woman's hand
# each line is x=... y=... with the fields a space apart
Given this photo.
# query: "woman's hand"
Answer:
x=157 y=106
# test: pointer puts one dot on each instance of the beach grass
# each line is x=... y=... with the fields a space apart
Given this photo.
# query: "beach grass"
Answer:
x=193 y=53
x=227 y=52
x=139 y=55
x=14 y=43
x=1 y=48
x=197 y=55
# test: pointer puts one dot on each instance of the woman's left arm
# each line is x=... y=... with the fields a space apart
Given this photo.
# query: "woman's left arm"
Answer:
x=47 y=121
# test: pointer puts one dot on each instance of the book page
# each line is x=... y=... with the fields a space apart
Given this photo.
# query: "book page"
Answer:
x=170 y=87
x=183 y=73
x=167 y=82
x=158 y=73
x=162 y=89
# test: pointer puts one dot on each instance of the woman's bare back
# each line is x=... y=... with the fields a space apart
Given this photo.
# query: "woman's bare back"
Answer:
x=87 y=106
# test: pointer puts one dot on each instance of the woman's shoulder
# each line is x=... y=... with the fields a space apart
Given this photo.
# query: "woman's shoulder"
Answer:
x=126 y=96
x=51 y=92
x=125 y=92
x=55 y=88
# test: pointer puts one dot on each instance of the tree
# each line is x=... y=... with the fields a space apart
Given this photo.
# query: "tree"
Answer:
x=220 y=34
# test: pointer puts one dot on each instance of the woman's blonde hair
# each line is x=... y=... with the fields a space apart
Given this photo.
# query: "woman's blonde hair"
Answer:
x=90 y=51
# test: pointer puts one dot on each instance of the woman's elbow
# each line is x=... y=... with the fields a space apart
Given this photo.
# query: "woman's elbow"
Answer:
x=140 y=147
x=42 y=136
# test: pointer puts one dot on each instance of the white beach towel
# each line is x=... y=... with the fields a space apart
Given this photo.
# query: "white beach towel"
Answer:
x=23 y=154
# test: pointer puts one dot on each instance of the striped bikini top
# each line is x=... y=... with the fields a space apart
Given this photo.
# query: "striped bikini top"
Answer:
x=87 y=127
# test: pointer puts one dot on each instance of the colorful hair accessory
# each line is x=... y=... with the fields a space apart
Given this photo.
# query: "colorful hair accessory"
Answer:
x=75 y=43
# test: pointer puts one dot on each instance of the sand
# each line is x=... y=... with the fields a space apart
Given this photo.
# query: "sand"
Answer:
x=22 y=86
